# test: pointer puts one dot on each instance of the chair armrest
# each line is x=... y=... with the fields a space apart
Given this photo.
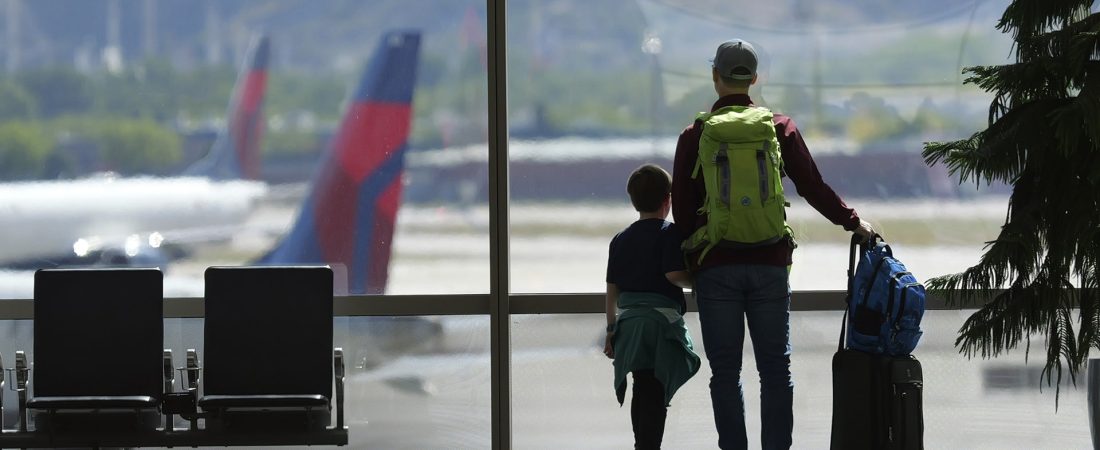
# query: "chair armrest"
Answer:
x=338 y=372
x=21 y=371
x=169 y=372
x=192 y=371
x=21 y=379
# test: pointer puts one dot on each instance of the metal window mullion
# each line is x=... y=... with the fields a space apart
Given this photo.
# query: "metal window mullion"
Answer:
x=498 y=227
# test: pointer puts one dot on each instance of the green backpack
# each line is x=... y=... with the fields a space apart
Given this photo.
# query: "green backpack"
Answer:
x=741 y=164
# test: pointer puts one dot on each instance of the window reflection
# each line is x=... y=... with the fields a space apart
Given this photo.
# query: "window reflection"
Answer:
x=417 y=382
x=412 y=382
x=562 y=381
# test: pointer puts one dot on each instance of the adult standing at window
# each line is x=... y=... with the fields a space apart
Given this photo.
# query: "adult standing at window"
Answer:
x=730 y=202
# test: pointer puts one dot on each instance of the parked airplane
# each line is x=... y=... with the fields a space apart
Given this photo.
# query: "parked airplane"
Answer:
x=348 y=218
x=106 y=219
x=235 y=153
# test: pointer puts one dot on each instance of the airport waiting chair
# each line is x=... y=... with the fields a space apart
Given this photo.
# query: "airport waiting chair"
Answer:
x=98 y=336
x=269 y=358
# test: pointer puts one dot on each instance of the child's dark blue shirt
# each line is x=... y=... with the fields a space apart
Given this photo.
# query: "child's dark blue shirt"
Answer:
x=641 y=255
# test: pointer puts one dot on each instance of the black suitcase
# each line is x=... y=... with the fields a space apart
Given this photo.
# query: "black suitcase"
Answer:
x=876 y=398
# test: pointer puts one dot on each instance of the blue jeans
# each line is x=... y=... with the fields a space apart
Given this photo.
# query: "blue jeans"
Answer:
x=727 y=295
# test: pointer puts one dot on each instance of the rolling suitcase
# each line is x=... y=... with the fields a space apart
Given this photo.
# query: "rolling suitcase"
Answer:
x=876 y=398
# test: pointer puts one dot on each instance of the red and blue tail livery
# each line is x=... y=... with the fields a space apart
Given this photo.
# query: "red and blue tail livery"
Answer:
x=235 y=153
x=349 y=217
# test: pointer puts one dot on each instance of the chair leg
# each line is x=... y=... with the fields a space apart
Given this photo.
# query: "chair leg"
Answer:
x=2 y=394
x=338 y=372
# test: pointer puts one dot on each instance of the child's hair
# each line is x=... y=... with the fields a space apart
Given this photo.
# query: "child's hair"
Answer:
x=648 y=187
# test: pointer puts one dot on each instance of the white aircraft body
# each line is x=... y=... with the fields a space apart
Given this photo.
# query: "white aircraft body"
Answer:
x=112 y=217
x=106 y=219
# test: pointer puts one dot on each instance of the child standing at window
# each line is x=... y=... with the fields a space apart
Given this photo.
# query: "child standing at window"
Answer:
x=645 y=280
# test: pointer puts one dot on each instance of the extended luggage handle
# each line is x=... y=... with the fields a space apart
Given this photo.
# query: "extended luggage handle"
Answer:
x=862 y=244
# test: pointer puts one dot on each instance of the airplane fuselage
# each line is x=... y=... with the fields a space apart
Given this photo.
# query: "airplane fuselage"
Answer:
x=58 y=219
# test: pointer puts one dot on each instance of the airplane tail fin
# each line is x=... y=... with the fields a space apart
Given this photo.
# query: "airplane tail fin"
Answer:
x=235 y=153
x=349 y=216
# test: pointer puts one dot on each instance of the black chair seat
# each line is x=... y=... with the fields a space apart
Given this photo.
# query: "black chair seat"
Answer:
x=266 y=413
x=98 y=350
x=94 y=414
x=266 y=380
x=93 y=402
x=262 y=401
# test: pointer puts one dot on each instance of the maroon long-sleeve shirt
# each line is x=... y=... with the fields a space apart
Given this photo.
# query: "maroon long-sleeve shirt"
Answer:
x=688 y=193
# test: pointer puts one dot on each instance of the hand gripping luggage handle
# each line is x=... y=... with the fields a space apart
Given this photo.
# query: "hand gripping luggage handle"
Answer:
x=862 y=244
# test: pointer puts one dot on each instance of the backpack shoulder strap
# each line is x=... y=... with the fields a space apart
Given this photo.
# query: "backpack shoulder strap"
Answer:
x=701 y=119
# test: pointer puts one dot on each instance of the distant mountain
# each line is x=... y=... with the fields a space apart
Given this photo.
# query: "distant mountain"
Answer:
x=310 y=34
x=799 y=16
x=330 y=34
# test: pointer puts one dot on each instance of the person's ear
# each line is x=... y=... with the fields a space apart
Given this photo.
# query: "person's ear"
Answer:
x=753 y=80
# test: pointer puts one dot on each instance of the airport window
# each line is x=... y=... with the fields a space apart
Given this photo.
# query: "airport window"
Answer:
x=364 y=135
x=355 y=135
x=866 y=86
x=363 y=148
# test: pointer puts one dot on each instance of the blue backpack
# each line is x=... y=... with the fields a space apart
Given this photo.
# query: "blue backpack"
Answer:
x=885 y=301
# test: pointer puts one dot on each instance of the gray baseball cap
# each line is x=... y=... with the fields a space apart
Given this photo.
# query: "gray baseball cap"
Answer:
x=733 y=58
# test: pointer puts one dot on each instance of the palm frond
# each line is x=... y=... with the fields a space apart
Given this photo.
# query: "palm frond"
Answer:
x=1043 y=138
x=1076 y=41
x=1027 y=18
x=1001 y=152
